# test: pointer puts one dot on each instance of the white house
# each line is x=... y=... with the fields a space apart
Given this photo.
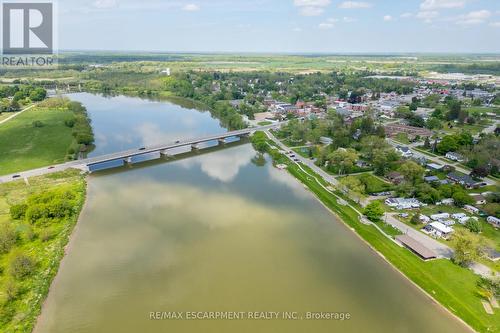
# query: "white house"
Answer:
x=424 y=218
x=405 y=151
x=447 y=201
x=471 y=209
x=454 y=156
x=458 y=216
x=438 y=217
x=438 y=229
x=403 y=203
x=494 y=221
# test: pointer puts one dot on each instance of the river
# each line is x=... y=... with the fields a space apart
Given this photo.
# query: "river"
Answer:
x=221 y=231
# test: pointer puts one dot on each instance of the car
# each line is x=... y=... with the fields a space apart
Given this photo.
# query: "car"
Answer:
x=292 y=155
x=296 y=160
x=178 y=141
x=142 y=148
x=16 y=176
x=51 y=167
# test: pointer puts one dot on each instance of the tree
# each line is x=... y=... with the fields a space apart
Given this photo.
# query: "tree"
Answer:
x=489 y=288
x=374 y=211
x=474 y=226
x=259 y=141
x=38 y=94
x=462 y=198
x=415 y=219
x=344 y=159
x=468 y=247
x=433 y=123
x=412 y=172
x=353 y=184
x=447 y=144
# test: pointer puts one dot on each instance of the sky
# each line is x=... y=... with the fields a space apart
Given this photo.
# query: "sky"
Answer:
x=281 y=26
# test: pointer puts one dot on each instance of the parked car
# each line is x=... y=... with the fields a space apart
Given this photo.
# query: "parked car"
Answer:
x=16 y=176
x=142 y=148
x=51 y=167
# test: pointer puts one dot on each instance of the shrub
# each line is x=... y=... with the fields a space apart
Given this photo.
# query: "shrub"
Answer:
x=8 y=237
x=37 y=123
x=69 y=122
x=374 y=211
x=21 y=265
x=474 y=226
x=18 y=211
x=11 y=290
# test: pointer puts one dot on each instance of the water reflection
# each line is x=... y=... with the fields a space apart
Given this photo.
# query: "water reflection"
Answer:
x=122 y=123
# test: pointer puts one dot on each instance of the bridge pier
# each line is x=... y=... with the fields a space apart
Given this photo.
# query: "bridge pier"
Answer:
x=222 y=141
x=164 y=153
x=127 y=160
x=194 y=146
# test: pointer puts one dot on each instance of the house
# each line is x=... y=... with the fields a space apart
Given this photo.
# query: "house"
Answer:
x=454 y=156
x=458 y=216
x=494 y=221
x=463 y=179
x=431 y=179
x=471 y=209
x=405 y=151
x=441 y=216
x=447 y=202
x=395 y=177
x=403 y=203
x=438 y=229
x=435 y=166
x=424 y=218
x=447 y=223
x=479 y=199
x=326 y=140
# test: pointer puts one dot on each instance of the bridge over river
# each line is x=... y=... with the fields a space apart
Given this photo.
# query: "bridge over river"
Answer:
x=127 y=156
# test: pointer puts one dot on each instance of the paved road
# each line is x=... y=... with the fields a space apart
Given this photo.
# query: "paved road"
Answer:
x=84 y=163
x=310 y=163
x=15 y=114
x=418 y=154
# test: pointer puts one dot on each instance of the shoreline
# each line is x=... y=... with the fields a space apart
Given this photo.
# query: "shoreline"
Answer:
x=391 y=265
x=66 y=250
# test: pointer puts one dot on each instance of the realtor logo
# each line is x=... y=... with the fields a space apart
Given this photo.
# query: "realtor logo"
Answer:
x=28 y=28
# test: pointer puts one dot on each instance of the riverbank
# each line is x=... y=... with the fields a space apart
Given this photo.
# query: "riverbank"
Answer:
x=38 y=234
x=452 y=286
x=52 y=132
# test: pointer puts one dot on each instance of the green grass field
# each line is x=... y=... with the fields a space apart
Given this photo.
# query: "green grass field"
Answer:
x=24 y=146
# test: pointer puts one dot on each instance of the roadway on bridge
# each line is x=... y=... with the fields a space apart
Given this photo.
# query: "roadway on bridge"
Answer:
x=83 y=164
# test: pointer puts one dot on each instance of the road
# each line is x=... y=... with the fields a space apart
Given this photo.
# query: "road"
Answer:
x=83 y=164
x=435 y=159
x=15 y=114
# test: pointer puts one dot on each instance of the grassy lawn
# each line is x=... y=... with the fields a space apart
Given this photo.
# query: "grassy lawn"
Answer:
x=41 y=240
x=452 y=286
x=373 y=184
x=264 y=123
x=25 y=146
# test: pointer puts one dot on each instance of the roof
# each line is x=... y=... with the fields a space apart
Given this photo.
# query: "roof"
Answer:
x=431 y=178
x=441 y=227
x=416 y=246
x=435 y=166
x=461 y=177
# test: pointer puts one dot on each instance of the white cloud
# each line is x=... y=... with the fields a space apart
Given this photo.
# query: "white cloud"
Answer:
x=329 y=24
x=406 y=15
x=427 y=16
x=311 y=7
x=387 y=18
x=349 y=19
x=326 y=25
x=104 y=4
x=476 y=17
x=191 y=7
x=495 y=24
x=441 y=4
x=355 y=5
